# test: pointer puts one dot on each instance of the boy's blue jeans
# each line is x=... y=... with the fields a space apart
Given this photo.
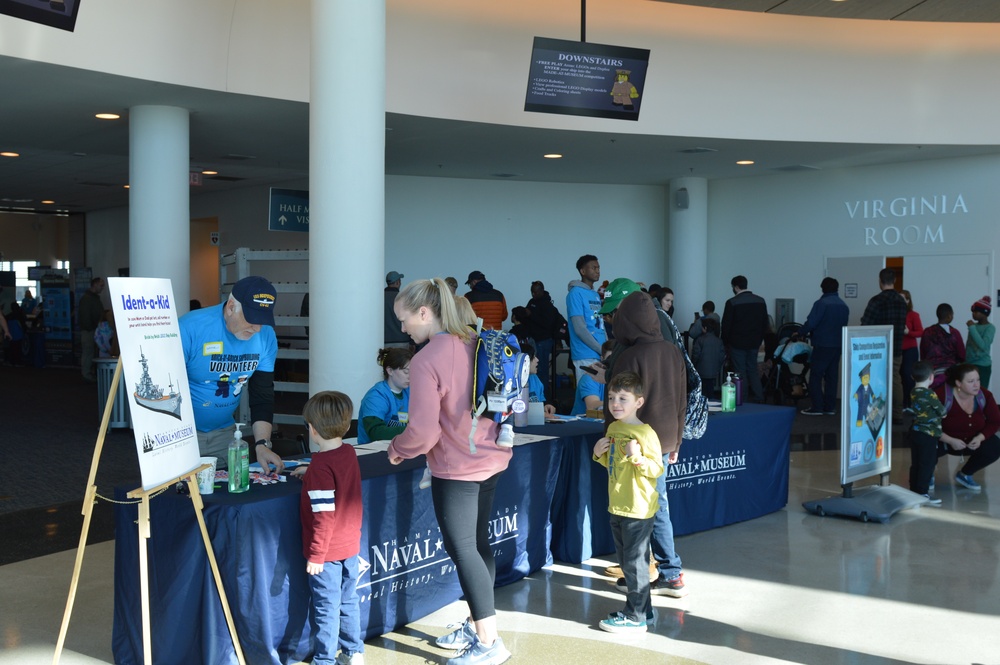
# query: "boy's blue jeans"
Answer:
x=336 y=611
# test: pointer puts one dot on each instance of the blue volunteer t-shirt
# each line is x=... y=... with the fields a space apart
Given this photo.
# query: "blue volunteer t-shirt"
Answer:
x=586 y=386
x=219 y=365
x=586 y=303
x=381 y=402
x=536 y=391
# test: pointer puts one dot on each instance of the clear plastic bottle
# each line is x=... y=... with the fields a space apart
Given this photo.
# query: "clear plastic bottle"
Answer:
x=729 y=394
x=239 y=463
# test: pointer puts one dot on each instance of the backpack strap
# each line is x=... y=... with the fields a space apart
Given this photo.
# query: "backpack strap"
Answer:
x=949 y=399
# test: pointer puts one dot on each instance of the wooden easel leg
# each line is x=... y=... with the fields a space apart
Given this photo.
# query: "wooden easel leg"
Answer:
x=192 y=483
x=147 y=640
x=88 y=509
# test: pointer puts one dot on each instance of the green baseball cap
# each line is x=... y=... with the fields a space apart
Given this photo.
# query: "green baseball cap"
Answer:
x=616 y=292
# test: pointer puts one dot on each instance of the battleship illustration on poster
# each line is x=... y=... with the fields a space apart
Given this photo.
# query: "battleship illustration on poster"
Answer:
x=150 y=396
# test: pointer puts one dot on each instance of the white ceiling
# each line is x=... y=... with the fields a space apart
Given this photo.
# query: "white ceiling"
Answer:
x=47 y=115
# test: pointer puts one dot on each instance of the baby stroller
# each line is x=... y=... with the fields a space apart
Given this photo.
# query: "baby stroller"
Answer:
x=788 y=376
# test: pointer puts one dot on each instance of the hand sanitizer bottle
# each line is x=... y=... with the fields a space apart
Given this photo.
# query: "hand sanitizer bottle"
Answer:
x=239 y=463
x=729 y=394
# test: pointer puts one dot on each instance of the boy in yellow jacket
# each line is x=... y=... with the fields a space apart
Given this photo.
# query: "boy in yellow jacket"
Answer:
x=631 y=453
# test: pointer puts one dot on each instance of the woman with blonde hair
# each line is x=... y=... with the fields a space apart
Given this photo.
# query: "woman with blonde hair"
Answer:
x=463 y=483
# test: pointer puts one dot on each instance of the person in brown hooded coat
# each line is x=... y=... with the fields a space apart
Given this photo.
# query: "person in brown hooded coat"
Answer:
x=640 y=348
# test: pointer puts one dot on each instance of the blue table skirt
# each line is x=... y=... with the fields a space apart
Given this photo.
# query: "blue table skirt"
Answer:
x=256 y=536
x=736 y=472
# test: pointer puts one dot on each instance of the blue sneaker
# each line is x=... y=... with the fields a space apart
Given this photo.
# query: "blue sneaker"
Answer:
x=617 y=622
x=931 y=501
x=459 y=638
x=478 y=653
x=967 y=482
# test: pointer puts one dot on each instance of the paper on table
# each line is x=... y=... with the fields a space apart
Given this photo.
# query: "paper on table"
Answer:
x=521 y=439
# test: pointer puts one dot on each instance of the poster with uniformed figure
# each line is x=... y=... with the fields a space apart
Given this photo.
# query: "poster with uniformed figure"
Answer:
x=866 y=402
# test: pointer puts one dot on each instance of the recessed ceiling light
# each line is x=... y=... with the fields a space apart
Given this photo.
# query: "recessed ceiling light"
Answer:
x=10 y=154
x=210 y=173
x=745 y=162
x=107 y=116
x=125 y=186
x=48 y=202
x=552 y=155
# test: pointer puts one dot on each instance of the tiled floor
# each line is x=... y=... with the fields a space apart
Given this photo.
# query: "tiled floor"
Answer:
x=789 y=587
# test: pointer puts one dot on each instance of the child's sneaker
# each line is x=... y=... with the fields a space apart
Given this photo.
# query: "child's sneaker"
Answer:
x=425 y=480
x=506 y=436
x=478 y=653
x=930 y=501
x=350 y=659
x=617 y=622
x=458 y=638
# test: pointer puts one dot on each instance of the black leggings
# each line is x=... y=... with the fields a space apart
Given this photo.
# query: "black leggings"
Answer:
x=980 y=458
x=463 y=509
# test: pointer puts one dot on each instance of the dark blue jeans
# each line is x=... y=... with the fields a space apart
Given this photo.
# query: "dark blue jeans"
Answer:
x=632 y=547
x=336 y=612
x=823 y=377
x=910 y=358
x=745 y=362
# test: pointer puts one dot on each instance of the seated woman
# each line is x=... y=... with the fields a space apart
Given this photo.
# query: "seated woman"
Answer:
x=385 y=408
x=536 y=391
x=589 y=392
x=970 y=424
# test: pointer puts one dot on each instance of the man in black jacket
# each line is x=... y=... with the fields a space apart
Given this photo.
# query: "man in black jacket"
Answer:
x=744 y=322
x=543 y=322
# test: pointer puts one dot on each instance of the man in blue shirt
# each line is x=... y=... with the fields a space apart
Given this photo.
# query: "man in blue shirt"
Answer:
x=229 y=348
x=824 y=324
x=586 y=327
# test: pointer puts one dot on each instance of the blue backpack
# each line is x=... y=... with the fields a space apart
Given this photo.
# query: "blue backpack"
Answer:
x=499 y=374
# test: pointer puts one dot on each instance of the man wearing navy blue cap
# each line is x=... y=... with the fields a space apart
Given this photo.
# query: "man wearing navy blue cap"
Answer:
x=227 y=348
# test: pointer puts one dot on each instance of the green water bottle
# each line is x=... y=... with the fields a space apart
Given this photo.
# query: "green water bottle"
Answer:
x=239 y=463
x=729 y=394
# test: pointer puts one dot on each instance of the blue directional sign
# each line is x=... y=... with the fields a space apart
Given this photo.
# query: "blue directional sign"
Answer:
x=288 y=210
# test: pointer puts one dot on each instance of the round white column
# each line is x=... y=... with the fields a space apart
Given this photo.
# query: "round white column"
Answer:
x=159 y=198
x=687 y=267
x=346 y=195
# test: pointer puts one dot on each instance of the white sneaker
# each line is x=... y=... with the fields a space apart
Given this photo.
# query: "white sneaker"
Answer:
x=425 y=480
x=353 y=659
x=506 y=436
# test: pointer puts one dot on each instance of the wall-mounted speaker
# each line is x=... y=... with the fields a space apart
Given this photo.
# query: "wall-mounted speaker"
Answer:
x=681 y=197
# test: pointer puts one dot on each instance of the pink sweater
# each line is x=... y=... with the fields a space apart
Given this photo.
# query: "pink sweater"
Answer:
x=441 y=415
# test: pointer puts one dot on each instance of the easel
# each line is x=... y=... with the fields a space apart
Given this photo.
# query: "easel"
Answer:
x=144 y=532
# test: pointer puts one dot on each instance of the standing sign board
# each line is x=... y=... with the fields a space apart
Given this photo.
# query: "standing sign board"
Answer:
x=155 y=378
x=58 y=318
x=866 y=396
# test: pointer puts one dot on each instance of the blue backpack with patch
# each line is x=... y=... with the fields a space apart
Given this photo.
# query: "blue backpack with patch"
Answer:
x=499 y=374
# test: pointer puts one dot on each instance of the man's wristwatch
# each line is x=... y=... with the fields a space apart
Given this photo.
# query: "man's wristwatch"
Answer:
x=263 y=442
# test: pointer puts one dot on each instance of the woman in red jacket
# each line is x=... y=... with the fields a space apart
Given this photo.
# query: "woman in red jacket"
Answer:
x=911 y=354
x=970 y=424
